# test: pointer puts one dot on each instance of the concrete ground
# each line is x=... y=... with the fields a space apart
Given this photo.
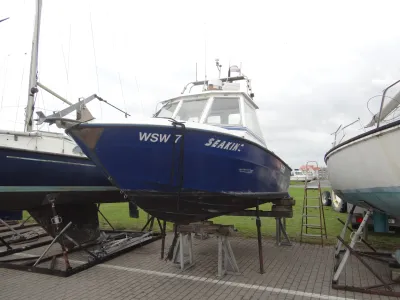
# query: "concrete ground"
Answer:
x=300 y=271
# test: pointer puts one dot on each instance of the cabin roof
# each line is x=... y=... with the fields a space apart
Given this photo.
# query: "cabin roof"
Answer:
x=213 y=93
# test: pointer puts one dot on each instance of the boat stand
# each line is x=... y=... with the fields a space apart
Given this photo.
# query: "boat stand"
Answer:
x=226 y=259
x=26 y=240
x=349 y=250
x=110 y=244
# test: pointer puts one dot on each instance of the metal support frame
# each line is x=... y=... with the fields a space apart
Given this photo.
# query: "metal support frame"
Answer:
x=338 y=247
x=25 y=243
x=281 y=230
x=281 y=209
x=94 y=259
x=383 y=257
x=111 y=243
x=259 y=239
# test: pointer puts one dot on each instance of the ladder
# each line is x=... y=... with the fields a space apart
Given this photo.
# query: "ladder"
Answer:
x=313 y=209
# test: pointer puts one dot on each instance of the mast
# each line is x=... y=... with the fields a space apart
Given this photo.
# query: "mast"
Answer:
x=32 y=88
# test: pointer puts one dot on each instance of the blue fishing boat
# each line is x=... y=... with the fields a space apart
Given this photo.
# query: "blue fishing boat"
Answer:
x=201 y=155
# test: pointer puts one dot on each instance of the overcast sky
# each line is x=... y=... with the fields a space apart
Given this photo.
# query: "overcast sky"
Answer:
x=313 y=64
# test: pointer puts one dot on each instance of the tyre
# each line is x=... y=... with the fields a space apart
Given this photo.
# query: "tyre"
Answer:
x=326 y=198
x=339 y=205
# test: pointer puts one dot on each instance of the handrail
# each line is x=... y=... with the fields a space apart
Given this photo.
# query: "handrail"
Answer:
x=360 y=136
x=383 y=100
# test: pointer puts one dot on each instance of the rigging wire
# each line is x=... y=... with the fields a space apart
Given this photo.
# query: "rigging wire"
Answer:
x=44 y=107
x=95 y=60
x=66 y=71
x=69 y=54
x=140 y=98
x=119 y=73
x=19 y=98
x=122 y=90
x=5 y=79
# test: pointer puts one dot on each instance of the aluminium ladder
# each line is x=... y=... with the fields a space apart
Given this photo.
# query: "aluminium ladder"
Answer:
x=313 y=209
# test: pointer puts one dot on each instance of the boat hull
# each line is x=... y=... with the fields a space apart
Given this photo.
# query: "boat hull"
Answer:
x=366 y=171
x=184 y=174
x=27 y=177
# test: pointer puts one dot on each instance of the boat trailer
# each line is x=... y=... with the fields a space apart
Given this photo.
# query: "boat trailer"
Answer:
x=385 y=287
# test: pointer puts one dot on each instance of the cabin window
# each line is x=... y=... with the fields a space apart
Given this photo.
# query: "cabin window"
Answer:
x=191 y=110
x=250 y=116
x=224 y=111
x=167 y=110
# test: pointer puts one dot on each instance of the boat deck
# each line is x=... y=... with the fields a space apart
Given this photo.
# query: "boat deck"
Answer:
x=291 y=272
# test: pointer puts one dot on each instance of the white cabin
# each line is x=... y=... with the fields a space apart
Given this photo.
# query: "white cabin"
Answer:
x=222 y=104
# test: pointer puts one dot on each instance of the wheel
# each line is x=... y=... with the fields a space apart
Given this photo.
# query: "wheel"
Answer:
x=339 y=205
x=326 y=198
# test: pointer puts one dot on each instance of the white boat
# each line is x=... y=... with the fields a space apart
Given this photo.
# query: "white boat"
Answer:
x=299 y=175
x=365 y=170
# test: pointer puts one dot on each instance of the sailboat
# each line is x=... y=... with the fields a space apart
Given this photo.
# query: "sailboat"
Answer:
x=39 y=168
x=365 y=170
x=200 y=156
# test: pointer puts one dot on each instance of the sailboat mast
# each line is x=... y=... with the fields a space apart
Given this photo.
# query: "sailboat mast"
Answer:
x=32 y=88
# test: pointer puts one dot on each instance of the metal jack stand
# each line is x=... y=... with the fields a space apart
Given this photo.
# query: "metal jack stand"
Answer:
x=357 y=237
x=226 y=258
x=184 y=247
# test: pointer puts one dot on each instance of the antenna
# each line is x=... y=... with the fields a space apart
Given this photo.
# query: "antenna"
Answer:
x=219 y=66
x=196 y=71
x=205 y=55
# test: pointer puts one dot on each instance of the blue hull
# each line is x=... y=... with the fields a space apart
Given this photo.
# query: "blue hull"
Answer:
x=184 y=175
x=26 y=177
x=384 y=199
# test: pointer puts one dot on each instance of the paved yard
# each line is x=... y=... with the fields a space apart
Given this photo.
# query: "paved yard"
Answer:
x=291 y=272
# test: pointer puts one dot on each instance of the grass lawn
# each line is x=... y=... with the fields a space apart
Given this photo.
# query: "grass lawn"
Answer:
x=118 y=215
x=296 y=182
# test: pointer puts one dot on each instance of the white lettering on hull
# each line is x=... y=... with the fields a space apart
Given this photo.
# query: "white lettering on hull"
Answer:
x=220 y=144
x=157 y=137
x=154 y=137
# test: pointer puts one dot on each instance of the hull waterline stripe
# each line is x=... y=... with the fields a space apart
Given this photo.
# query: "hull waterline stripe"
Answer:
x=51 y=161
x=28 y=189
x=209 y=280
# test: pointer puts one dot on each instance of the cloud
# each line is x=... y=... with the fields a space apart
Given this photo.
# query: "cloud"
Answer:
x=313 y=64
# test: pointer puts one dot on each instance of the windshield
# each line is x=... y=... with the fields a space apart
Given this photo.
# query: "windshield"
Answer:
x=167 y=110
x=251 y=119
x=224 y=111
x=191 y=110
